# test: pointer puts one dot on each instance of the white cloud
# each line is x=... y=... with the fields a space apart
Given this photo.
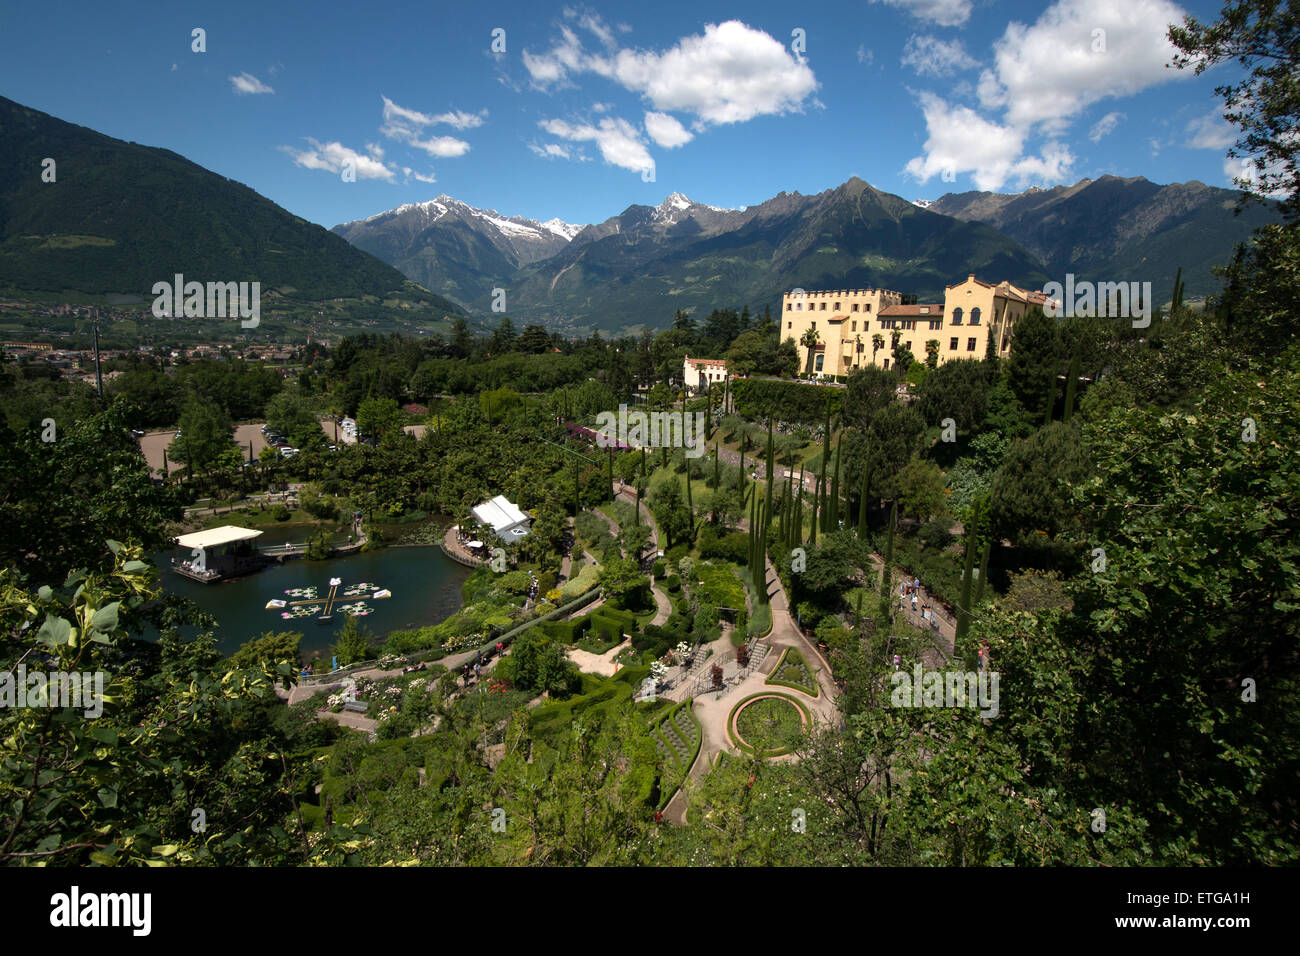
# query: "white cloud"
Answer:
x=1049 y=72
x=617 y=139
x=406 y=125
x=1105 y=126
x=1247 y=169
x=962 y=141
x=666 y=130
x=332 y=157
x=425 y=179
x=865 y=56
x=946 y=13
x=1210 y=132
x=930 y=56
x=441 y=146
x=248 y=83
x=729 y=74
x=175 y=67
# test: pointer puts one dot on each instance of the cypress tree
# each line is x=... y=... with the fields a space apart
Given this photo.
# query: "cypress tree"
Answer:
x=690 y=504
x=770 y=468
x=862 y=506
x=822 y=487
x=816 y=501
x=984 y=572
x=963 y=607
x=835 y=485
x=1071 y=386
x=887 y=576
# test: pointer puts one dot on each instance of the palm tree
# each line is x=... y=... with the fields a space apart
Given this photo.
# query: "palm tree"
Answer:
x=932 y=353
x=877 y=343
x=857 y=349
x=810 y=342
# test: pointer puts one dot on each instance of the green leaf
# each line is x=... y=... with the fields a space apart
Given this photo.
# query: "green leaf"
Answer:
x=45 y=592
x=134 y=567
x=114 y=546
x=108 y=797
x=55 y=631
x=105 y=618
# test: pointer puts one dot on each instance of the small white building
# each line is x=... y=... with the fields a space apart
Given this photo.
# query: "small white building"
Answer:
x=507 y=521
x=698 y=372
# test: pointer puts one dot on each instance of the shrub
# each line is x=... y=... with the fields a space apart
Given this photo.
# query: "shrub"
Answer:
x=730 y=547
x=515 y=582
x=672 y=584
x=280 y=512
x=936 y=534
x=658 y=569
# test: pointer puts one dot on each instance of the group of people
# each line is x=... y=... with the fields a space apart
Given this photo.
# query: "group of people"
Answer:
x=910 y=590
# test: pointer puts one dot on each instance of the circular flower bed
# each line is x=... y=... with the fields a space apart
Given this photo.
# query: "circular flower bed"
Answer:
x=767 y=723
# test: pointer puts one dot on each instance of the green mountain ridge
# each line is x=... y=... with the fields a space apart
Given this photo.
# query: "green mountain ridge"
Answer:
x=120 y=216
x=1121 y=229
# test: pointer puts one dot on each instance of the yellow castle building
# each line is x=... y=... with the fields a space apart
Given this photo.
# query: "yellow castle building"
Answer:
x=856 y=328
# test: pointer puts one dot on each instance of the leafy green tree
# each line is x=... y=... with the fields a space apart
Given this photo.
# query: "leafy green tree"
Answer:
x=1030 y=490
x=160 y=730
x=353 y=642
x=377 y=417
x=921 y=489
x=670 y=511
x=204 y=440
x=870 y=390
x=271 y=648
x=63 y=500
x=1034 y=361
x=958 y=390
x=1260 y=36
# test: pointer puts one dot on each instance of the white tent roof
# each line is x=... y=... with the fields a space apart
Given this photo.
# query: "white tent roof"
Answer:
x=216 y=536
x=499 y=513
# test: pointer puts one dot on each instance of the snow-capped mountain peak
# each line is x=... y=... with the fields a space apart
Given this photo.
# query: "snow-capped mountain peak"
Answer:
x=561 y=228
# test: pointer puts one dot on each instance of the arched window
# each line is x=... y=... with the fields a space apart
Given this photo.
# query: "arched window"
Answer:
x=975 y=316
x=956 y=316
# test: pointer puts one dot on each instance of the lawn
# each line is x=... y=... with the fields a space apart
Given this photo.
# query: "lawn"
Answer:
x=767 y=724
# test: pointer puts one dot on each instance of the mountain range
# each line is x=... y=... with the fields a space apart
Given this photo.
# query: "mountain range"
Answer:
x=634 y=270
x=115 y=217
x=1120 y=229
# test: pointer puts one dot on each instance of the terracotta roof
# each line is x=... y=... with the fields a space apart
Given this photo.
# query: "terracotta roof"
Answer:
x=717 y=363
x=934 y=310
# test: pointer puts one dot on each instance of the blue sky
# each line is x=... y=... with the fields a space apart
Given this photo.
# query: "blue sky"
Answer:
x=591 y=108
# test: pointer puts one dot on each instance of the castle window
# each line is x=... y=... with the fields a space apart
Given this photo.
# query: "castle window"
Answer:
x=970 y=345
x=975 y=316
x=952 y=344
x=956 y=316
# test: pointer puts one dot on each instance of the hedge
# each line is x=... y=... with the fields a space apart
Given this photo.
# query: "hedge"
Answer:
x=757 y=398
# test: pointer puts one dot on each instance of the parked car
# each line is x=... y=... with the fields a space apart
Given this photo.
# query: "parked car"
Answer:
x=288 y=452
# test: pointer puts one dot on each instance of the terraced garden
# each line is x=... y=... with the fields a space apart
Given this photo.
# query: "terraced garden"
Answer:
x=678 y=736
x=793 y=671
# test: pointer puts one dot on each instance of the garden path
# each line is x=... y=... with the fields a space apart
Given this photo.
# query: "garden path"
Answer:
x=602 y=664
